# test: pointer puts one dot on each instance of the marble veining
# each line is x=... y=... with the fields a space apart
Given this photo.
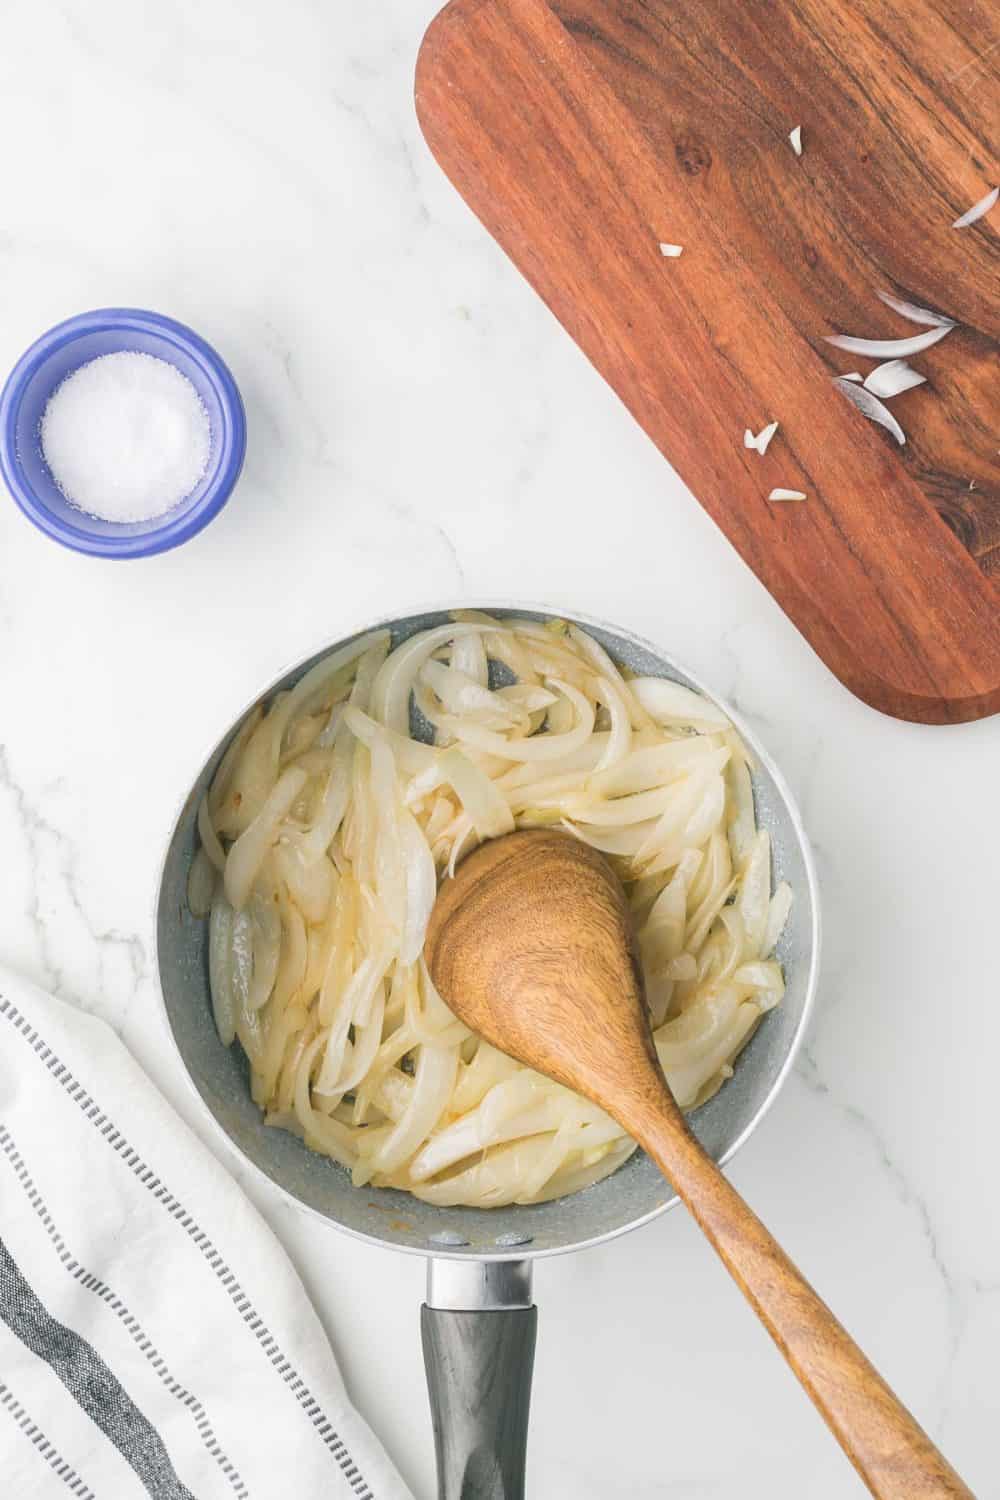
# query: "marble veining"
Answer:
x=422 y=430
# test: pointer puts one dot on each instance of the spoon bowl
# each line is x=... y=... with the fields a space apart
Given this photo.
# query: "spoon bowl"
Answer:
x=528 y=944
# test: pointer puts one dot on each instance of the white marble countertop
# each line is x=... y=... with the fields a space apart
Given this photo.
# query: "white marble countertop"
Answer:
x=420 y=429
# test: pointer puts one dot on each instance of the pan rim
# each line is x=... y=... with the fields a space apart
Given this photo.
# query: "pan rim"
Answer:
x=505 y=607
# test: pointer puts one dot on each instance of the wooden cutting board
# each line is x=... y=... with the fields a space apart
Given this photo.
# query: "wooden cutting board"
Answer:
x=585 y=132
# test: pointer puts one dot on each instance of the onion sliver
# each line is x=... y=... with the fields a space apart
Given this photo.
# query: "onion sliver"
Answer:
x=317 y=679
x=421 y=886
x=871 y=407
x=670 y=702
x=435 y=1079
x=484 y=803
x=537 y=747
x=394 y=683
x=916 y=314
x=220 y=929
x=891 y=348
x=248 y=853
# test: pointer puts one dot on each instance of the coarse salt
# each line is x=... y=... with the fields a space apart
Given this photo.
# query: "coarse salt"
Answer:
x=126 y=437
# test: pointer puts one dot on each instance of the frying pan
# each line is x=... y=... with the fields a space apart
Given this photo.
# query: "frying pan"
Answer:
x=479 y=1322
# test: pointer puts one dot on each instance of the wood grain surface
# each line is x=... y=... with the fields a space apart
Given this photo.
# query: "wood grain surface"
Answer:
x=531 y=944
x=584 y=132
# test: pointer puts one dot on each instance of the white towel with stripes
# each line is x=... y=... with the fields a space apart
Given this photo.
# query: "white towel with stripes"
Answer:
x=154 y=1337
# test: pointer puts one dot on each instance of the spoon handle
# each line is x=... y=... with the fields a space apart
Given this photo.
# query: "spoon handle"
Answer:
x=892 y=1453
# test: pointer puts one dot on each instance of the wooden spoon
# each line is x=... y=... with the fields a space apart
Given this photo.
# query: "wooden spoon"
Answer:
x=532 y=946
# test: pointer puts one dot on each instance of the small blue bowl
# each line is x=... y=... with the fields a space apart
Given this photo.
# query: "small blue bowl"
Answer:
x=47 y=364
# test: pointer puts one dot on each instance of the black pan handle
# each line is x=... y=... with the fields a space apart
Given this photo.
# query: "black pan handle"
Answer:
x=478 y=1331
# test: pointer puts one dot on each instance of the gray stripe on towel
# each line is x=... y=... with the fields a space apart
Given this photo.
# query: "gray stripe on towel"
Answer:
x=102 y=1291
x=89 y=1381
x=149 y=1180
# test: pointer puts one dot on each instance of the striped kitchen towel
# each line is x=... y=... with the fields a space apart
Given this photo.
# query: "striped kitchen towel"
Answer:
x=154 y=1337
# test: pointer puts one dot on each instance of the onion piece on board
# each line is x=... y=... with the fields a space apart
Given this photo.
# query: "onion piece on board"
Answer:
x=978 y=210
x=915 y=313
x=889 y=348
x=892 y=379
x=871 y=407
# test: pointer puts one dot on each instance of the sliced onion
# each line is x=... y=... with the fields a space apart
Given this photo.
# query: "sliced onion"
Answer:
x=666 y=833
x=670 y=702
x=394 y=683
x=764 y=978
x=688 y=1079
x=201 y=884
x=487 y=1068
x=463 y=835
x=540 y=746
x=318 y=679
x=663 y=932
x=892 y=379
x=359 y=1055
x=354 y=1005
x=412 y=756
x=468 y=655
x=390 y=879
x=608 y=670
x=252 y=780
x=891 y=348
x=340 y=964
x=620 y=738
x=248 y=853
x=310 y=882
x=421 y=886
x=978 y=210
x=914 y=313
x=664 y=851
x=333 y=802
x=462 y=695
x=220 y=968
x=762 y=441
x=209 y=838
x=322 y=966
x=222 y=780
x=624 y=811
x=581 y=760
x=777 y=915
x=435 y=1079
x=653 y=766
x=492 y=1182
x=753 y=900
x=265 y=937
x=573 y=1178
x=531 y=699
x=742 y=819
x=871 y=407
x=486 y=806
x=520 y=1105
x=625 y=842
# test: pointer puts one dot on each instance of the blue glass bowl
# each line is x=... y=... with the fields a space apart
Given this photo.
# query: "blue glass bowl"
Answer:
x=47 y=364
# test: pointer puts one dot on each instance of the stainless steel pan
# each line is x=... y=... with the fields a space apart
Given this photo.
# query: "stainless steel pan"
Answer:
x=479 y=1322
